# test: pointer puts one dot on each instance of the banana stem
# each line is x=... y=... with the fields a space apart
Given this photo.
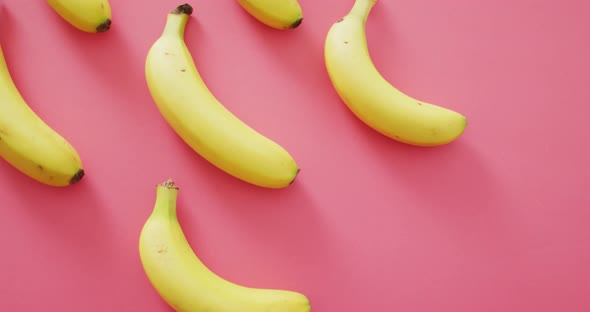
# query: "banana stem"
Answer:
x=362 y=8
x=177 y=19
x=166 y=195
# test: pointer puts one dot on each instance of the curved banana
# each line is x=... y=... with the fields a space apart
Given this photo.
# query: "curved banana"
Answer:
x=279 y=14
x=28 y=143
x=202 y=121
x=373 y=99
x=91 y=16
x=184 y=282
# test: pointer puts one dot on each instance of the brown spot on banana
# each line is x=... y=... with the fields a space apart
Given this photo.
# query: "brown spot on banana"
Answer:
x=3 y=133
x=162 y=249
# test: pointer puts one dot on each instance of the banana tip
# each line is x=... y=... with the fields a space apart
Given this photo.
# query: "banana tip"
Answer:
x=183 y=9
x=77 y=177
x=295 y=176
x=296 y=23
x=104 y=26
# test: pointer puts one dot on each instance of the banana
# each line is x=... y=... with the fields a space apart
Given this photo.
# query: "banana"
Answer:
x=91 y=16
x=184 y=282
x=374 y=100
x=197 y=116
x=28 y=143
x=279 y=14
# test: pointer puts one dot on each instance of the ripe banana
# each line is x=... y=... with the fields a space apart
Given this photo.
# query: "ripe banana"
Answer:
x=184 y=282
x=202 y=121
x=373 y=99
x=28 y=143
x=280 y=14
x=87 y=15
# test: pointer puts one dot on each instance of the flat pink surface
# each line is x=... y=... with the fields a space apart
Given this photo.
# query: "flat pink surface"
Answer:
x=496 y=221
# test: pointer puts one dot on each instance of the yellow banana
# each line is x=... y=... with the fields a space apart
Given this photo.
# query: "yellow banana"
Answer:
x=280 y=14
x=373 y=99
x=184 y=282
x=28 y=143
x=202 y=121
x=87 y=15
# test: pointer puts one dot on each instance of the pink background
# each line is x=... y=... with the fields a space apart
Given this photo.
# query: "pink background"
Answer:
x=496 y=221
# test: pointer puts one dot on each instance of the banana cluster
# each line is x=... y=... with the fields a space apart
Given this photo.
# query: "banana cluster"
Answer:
x=213 y=132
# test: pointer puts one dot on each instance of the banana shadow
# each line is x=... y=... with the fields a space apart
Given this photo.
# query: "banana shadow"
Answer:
x=454 y=183
x=111 y=64
x=291 y=60
x=111 y=70
x=9 y=38
x=298 y=52
x=6 y=33
x=285 y=239
x=72 y=218
x=73 y=215
x=382 y=38
x=85 y=229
